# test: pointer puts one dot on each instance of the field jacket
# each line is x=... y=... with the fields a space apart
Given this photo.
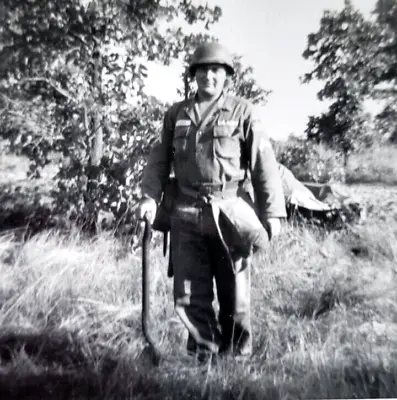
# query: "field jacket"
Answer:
x=224 y=147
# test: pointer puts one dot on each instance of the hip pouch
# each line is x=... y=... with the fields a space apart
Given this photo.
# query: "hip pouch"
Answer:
x=162 y=220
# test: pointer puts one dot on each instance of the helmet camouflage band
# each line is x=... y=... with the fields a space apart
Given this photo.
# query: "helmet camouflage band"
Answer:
x=211 y=53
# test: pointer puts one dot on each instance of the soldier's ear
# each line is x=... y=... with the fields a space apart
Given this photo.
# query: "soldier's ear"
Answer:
x=189 y=83
x=228 y=82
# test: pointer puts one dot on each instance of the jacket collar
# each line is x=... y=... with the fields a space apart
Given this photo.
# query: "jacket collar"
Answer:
x=222 y=104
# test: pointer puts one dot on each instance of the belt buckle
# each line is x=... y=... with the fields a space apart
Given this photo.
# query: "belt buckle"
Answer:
x=211 y=189
x=204 y=190
x=203 y=194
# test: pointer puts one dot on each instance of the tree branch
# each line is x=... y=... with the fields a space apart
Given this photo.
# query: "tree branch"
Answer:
x=53 y=84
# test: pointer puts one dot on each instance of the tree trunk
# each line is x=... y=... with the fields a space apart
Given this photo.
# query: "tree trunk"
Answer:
x=97 y=145
x=96 y=149
x=345 y=158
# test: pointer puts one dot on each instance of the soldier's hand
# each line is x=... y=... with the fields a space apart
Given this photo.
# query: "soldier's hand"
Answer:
x=146 y=209
x=273 y=226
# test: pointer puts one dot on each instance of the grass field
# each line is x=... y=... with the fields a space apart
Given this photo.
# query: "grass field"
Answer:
x=324 y=312
x=324 y=318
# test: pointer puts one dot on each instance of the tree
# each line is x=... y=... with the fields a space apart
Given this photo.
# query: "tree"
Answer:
x=72 y=81
x=357 y=60
x=386 y=13
x=75 y=69
x=85 y=55
x=386 y=90
x=345 y=53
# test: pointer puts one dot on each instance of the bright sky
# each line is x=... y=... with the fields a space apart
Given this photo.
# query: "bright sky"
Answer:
x=271 y=36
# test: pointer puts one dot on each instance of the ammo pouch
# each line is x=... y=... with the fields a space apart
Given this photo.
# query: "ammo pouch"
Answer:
x=162 y=220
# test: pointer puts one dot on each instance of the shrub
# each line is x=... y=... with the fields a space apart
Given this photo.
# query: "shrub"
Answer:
x=311 y=162
x=375 y=165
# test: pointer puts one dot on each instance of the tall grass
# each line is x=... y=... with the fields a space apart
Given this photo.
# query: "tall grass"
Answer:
x=324 y=311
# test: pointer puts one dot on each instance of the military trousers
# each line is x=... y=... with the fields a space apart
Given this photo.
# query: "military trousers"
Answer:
x=199 y=258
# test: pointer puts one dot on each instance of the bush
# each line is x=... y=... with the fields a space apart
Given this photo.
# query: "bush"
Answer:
x=375 y=165
x=311 y=162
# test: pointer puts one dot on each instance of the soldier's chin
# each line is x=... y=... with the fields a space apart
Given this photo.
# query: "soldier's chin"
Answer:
x=209 y=91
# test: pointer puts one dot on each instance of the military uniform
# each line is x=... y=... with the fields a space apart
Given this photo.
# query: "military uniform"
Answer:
x=212 y=159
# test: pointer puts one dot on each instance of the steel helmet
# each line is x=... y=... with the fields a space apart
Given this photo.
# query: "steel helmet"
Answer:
x=211 y=53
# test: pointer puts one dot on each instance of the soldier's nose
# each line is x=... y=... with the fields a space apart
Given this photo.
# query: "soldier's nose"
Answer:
x=209 y=73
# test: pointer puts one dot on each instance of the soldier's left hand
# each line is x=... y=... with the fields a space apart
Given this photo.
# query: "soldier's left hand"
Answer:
x=274 y=227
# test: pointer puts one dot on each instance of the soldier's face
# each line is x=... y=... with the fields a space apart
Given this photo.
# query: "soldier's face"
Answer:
x=210 y=79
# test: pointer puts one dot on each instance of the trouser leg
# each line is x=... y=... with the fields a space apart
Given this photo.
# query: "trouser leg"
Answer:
x=193 y=287
x=233 y=288
x=242 y=342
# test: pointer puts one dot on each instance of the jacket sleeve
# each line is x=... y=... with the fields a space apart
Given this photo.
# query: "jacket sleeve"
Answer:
x=158 y=167
x=263 y=167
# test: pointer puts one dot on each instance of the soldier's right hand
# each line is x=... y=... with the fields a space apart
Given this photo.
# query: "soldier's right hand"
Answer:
x=146 y=208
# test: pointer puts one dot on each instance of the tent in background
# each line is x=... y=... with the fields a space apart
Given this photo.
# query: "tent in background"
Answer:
x=319 y=203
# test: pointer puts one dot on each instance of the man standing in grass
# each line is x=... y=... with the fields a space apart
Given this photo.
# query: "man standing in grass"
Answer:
x=217 y=148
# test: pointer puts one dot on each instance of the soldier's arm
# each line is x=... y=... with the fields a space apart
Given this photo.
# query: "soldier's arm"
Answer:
x=266 y=181
x=157 y=169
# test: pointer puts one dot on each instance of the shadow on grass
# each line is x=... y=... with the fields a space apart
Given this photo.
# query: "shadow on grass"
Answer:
x=371 y=180
x=22 y=209
x=315 y=304
x=57 y=364
x=48 y=363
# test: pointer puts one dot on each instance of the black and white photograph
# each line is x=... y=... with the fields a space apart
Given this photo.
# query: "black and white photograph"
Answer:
x=198 y=199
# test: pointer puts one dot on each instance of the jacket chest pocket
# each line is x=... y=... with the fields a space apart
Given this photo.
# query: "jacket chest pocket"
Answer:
x=180 y=142
x=226 y=142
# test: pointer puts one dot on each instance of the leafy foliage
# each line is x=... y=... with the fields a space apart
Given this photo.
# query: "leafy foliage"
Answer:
x=356 y=59
x=386 y=14
x=310 y=162
x=243 y=83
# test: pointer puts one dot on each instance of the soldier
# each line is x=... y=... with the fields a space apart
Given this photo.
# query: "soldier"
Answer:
x=218 y=150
